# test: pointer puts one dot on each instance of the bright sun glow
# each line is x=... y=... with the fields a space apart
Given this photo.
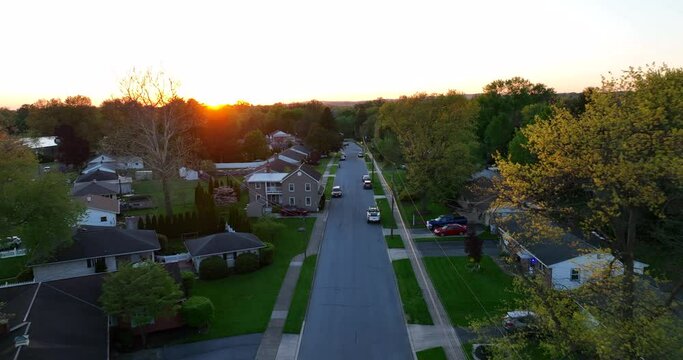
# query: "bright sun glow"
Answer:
x=275 y=51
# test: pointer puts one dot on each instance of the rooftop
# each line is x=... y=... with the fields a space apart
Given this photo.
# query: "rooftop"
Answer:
x=94 y=188
x=266 y=177
x=40 y=142
x=223 y=243
x=99 y=175
x=100 y=203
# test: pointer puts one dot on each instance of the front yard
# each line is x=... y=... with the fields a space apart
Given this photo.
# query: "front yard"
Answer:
x=414 y=305
x=464 y=292
x=244 y=303
x=182 y=196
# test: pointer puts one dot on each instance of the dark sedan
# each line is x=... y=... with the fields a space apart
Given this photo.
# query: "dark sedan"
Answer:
x=444 y=220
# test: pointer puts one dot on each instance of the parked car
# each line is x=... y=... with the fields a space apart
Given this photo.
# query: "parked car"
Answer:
x=519 y=320
x=342 y=157
x=366 y=177
x=451 y=230
x=373 y=214
x=292 y=210
x=360 y=154
x=336 y=191
x=444 y=220
x=367 y=184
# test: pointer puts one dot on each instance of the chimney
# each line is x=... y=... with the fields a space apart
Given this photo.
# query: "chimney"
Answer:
x=132 y=222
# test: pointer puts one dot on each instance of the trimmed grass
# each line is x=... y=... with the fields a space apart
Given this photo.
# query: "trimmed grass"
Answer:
x=328 y=187
x=486 y=235
x=436 y=353
x=182 y=195
x=668 y=267
x=333 y=169
x=414 y=305
x=297 y=309
x=394 y=242
x=386 y=217
x=11 y=267
x=244 y=303
x=490 y=285
x=377 y=186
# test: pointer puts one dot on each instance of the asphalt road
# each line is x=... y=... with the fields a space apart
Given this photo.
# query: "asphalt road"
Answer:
x=454 y=248
x=354 y=311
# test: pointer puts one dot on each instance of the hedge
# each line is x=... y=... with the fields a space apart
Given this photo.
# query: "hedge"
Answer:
x=198 y=311
x=213 y=268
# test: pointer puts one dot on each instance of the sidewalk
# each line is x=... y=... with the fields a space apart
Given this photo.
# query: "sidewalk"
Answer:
x=450 y=340
x=272 y=337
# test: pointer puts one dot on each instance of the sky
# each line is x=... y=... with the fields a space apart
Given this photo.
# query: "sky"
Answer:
x=264 y=52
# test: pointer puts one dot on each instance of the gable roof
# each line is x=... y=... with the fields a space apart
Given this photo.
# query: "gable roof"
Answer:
x=223 y=243
x=109 y=167
x=40 y=142
x=93 y=242
x=49 y=311
x=100 y=203
x=293 y=155
x=94 y=188
x=97 y=175
x=277 y=165
x=308 y=170
x=279 y=133
x=550 y=251
x=301 y=149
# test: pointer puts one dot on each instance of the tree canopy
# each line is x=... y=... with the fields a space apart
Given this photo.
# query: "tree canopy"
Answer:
x=36 y=207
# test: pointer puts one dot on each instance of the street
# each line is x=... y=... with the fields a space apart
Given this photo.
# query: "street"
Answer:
x=355 y=310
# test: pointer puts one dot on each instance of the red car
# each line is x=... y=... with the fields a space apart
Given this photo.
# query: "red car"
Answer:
x=290 y=210
x=450 y=230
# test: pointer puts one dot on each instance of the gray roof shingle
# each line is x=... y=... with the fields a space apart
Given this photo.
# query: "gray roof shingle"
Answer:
x=98 y=175
x=220 y=243
x=94 y=188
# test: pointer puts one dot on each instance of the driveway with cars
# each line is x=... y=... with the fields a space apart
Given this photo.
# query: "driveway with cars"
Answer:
x=355 y=310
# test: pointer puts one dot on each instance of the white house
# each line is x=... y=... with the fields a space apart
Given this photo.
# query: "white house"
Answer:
x=100 y=210
x=566 y=263
x=188 y=174
x=227 y=245
x=115 y=162
x=98 y=248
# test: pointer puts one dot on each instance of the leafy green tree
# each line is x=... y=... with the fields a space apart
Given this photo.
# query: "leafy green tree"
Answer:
x=138 y=294
x=255 y=146
x=37 y=208
x=198 y=311
x=267 y=228
x=618 y=161
x=436 y=134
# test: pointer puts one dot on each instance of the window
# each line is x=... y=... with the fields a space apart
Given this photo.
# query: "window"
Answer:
x=308 y=201
x=292 y=201
x=575 y=276
x=92 y=262
x=291 y=187
x=257 y=185
x=258 y=197
x=103 y=219
x=308 y=186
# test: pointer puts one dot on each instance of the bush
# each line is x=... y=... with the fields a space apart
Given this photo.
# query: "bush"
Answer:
x=247 y=263
x=321 y=203
x=124 y=340
x=267 y=254
x=213 y=268
x=188 y=281
x=198 y=311
x=407 y=195
x=163 y=241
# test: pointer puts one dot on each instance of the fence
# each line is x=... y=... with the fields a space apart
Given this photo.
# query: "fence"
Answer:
x=173 y=258
x=10 y=284
x=12 y=253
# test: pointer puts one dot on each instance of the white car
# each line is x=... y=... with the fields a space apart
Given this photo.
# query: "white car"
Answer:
x=373 y=214
x=336 y=191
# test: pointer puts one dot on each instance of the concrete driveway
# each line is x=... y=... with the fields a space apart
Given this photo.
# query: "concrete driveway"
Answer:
x=355 y=310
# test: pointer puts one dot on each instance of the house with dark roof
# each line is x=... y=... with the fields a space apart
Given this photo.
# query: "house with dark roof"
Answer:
x=227 y=245
x=566 y=261
x=106 y=175
x=95 y=188
x=98 y=249
x=99 y=210
x=301 y=150
x=114 y=163
x=292 y=156
x=280 y=140
x=301 y=187
x=62 y=319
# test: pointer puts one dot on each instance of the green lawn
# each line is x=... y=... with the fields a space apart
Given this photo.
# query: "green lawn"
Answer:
x=322 y=164
x=182 y=195
x=11 y=267
x=490 y=285
x=386 y=216
x=486 y=235
x=436 y=353
x=328 y=187
x=394 y=241
x=333 y=169
x=297 y=309
x=377 y=185
x=244 y=303
x=414 y=304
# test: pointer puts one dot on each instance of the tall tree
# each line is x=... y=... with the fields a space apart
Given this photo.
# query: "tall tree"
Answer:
x=255 y=146
x=436 y=133
x=37 y=208
x=156 y=128
x=622 y=158
x=138 y=294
